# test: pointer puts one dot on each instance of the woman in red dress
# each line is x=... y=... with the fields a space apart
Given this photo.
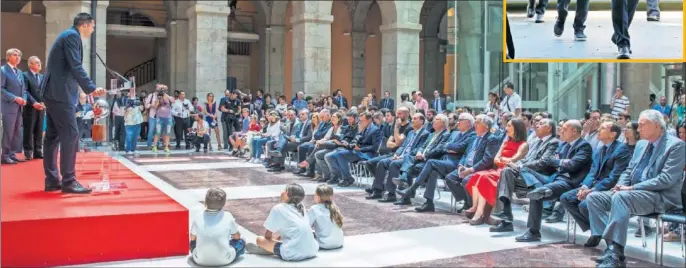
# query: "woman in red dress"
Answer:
x=483 y=185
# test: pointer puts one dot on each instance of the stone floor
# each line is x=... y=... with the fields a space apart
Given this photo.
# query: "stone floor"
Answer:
x=649 y=40
x=377 y=234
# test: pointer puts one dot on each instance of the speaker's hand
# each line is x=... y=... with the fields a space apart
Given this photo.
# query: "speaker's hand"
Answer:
x=99 y=92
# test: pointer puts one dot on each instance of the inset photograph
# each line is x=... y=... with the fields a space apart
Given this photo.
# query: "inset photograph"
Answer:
x=602 y=30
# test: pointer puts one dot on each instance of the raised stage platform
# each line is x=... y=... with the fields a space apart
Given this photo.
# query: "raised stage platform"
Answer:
x=53 y=229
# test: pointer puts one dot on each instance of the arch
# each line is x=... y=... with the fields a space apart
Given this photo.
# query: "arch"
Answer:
x=435 y=11
x=389 y=13
x=278 y=13
x=341 y=50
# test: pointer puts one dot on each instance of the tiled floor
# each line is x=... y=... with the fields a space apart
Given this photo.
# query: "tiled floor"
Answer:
x=376 y=234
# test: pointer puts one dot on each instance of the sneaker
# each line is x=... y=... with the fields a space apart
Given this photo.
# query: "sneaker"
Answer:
x=166 y=149
x=154 y=149
x=136 y=153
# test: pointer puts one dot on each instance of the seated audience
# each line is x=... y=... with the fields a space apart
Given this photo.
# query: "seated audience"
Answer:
x=450 y=155
x=482 y=187
x=294 y=137
x=362 y=148
x=215 y=240
x=326 y=219
x=324 y=146
x=350 y=132
x=651 y=183
x=237 y=140
x=609 y=162
x=383 y=174
x=572 y=162
x=398 y=131
x=511 y=182
x=306 y=148
x=273 y=132
x=288 y=218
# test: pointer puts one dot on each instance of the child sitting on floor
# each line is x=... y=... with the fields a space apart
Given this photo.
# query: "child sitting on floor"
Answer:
x=287 y=218
x=326 y=219
x=215 y=240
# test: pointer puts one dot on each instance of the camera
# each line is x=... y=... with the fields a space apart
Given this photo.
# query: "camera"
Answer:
x=133 y=102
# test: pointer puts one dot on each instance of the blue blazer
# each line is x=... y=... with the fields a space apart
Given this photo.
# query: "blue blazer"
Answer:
x=64 y=73
x=485 y=152
x=664 y=171
x=459 y=145
x=605 y=171
x=369 y=141
x=414 y=145
x=580 y=159
x=12 y=86
x=306 y=132
x=321 y=131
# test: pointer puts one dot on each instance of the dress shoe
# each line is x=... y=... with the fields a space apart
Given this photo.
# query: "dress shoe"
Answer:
x=300 y=171
x=345 y=184
x=529 y=236
x=426 y=207
x=593 y=241
x=400 y=183
x=502 y=227
x=539 y=18
x=8 y=161
x=276 y=169
x=37 y=156
x=409 y=192
x=579 y=36
x=555 y=217
x=613 y=261
x=369 y=190
x=376 y=194
x=51 y=187
x=15 y=159
x=332 y=181
x=530 y=12
x=403 y=202
x=624 y=53
x=388 y=198
x=539 y=193
x=307 y=174
x=559 y=27
x=74 y=188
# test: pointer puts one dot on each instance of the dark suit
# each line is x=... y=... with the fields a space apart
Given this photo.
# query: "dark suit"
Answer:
x=438 y=105
x=64 y=75
x=302 y=132
x=13 y=86
x=387 y=103
x=479 y=156
x=383 y=173
x=306 y=148
x=573 y=165
x=33 y=119
x=438 y=168
x=368 y=141
x=608 y=165
x=340 y=101
x=431 y=149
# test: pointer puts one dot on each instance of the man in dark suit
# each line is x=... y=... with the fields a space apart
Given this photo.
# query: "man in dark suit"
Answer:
x=33 y=118
x=572 y=163
x=387 y=102
x=479 y=156
x=364 y=147
x=511 y=182
x=13 y=100
x=64 y=76
x=383 y=175
x=305 y=148
x=608 y=164
x=300 y=133
x=451 y=153
x=438 y=103
x=339 y=100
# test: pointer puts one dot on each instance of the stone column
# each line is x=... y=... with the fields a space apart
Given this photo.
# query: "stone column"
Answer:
x=274 y=60
x=470 y=50
x=400 y=60
x=178 y=58
x=59 y=16
x=207 y=44
x=432 y=74
x=359 y=66
x=312 y=53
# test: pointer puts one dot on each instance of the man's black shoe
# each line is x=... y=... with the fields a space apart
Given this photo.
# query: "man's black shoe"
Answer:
x=388 y=198
x=624 y=53
x=37 y=156
x=528 y=237
x=323 y=180
x=502 y=227
x=408 y=193
x=8 y=161
x=530 y=12
x=428 y=206
x=74 y=188
x=345 y=184
x=403 y=202
x=613 y=261
x=558 y=29
x=369 y=190
x=593 y=241
x=51 y=187
x=332 y=182
x=276 y=169
x=376 y=194
x=579 y=36
x=15 y=159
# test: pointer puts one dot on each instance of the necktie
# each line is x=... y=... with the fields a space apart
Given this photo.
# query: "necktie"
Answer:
x=340 y=102
x=472 y=152
x=642 y=165
x=410 y=143
x=436 y=105
x=431 y=142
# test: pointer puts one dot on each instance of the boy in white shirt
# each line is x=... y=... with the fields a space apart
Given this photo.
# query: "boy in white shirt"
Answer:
x=215 y=240
x=202 y=134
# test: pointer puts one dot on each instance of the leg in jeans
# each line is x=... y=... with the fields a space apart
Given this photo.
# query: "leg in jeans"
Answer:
x=320 y=163
x=333 y=164
x=581 y=14
x=129 y=136
x=152 y=129
x=653 y=8
x=344 y=158
x=622 y=15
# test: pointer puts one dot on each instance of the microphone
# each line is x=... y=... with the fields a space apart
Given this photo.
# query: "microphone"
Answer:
x=128 y=84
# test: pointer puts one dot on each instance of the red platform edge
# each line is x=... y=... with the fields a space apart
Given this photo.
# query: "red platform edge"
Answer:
x=87 y=234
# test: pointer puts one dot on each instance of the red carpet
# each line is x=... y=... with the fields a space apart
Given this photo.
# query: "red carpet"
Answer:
x=53 y=229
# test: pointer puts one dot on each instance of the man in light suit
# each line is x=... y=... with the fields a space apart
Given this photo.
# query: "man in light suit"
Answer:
x=387 y=102
x=451 y=154
x=299 y=134
x=64 y=76
x=609 y=162
x=33 y=117
x=364 y=147
x=511 y=181
x=651 y=184
x=13 y=89
x=438 y=103
x=572 y=163
x=479 y=156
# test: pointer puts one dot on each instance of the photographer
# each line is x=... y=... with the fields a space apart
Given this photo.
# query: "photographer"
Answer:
x=200 y=132
x=162 y=103
x=151 y=110
x=230 y=111
x=181 y=110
